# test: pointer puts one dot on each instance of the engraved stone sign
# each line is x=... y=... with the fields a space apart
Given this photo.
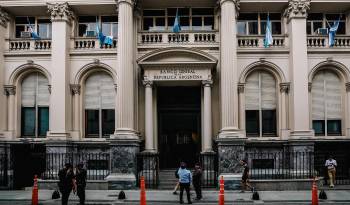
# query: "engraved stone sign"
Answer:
x=174 y=74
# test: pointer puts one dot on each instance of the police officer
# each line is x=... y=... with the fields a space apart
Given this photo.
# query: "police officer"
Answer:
x=80 y=177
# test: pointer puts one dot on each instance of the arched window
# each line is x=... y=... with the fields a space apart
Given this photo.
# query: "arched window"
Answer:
x=326 y=103
x=99 y=98
x=35 y=98
x=261 y=103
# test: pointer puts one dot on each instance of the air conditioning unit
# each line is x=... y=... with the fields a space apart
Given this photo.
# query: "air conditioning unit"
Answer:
x=90 y=33
x=26 y=34
x=322 y=31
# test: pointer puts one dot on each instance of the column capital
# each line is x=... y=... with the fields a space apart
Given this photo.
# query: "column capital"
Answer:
x=147 y=83
x=347 y=86
x=236 y=2
x=297 y=9
x=4 y=17
x=75 y=88
x=9 y=90
x=60 y=12
x=284 y=87
x=240 y=87
x=207 y=83
x=131 y=2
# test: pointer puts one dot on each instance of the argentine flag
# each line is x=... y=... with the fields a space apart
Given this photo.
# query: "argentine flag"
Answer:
x=31 y=30
x=268 y=41
x=176 y=26
x=332 y=31
x=108 y=40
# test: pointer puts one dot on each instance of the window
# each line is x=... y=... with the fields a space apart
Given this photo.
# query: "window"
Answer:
x=190 y=19
x=22 y=24
x=320 y=20
x=99 y=106
x=326 y=104
x=261 y=103
x=110 y=25
x=41 y=25
x=87 y=26
x=35 y=99
x=255 y=23
x=44 y=28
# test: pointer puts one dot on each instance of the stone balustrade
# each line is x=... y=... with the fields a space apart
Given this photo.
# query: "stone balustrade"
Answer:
x=91 y=44
x=323 y=42
x=29 y=44
x=146 y=38
x=258 y=42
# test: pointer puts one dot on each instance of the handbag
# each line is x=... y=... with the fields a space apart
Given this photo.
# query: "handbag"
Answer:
x=56 y=194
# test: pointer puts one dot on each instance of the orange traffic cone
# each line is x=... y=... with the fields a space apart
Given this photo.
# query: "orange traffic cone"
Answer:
x=222 y=192
x=143 y=191
x=314 y=193
x=35 y=191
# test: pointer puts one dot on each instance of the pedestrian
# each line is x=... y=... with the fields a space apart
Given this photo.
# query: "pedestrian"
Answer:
x=66 y=182
x=177 y=181
x=331 y=165
x=185 y=179
x=80 y=177
x=245 y=176
x=197 y=181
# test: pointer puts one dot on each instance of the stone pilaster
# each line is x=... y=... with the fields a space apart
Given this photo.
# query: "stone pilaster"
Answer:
x=241 y=98
x=10 y=92
x=75 y=90
x=149 y=134
x=296 y=13
x=347 y=87
x=207 y=144
x=228 y=69
x=4 y=18
x=60 y=109
x=284 y=89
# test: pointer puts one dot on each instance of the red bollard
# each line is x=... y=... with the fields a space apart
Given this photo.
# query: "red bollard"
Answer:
x=143 y=191
x=222 y=192
x=35 y=191
x=314 y=193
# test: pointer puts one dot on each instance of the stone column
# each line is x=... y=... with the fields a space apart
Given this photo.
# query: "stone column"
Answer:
x=75 y=88
x=10 y=92
x=228 y=69
x=4 y=18
x=125 y=70
x=241 y=106
x=124 y=144
x=296 y=14
x=149 y=141
x=207 y=116
x=60 y=109
x=284 y=89
x=348 y=109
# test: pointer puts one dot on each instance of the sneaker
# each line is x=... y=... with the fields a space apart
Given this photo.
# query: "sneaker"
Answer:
x=174 y=192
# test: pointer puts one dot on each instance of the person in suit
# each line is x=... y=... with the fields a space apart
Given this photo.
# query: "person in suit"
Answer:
x=66 y=182
x=80 y=177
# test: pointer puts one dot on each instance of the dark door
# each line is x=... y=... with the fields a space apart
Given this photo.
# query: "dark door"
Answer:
x=28 y=160
x=179 y=125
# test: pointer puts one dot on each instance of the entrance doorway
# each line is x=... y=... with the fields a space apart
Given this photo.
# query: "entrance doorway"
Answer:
x=28 y=160
x=179 y=125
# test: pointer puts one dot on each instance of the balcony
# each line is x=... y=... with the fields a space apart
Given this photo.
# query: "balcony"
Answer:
x=206 y=38
x=21 y=45
x=257 y=42
x=314 y=42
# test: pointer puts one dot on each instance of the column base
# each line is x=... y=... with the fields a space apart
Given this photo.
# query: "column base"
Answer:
x=285 y=134
x=58 y=135
x=120 y=181
x=230 y=152
x=75 y=135
x=302 y=134
x=125 y=133
x=231 y=133
x=7 y=135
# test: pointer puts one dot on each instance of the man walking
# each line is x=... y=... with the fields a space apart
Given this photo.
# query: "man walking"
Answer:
x=245 y=176
x=197 y=181
x=331 y=165
x=185 y=179
x=80 y=177
x=66 y=182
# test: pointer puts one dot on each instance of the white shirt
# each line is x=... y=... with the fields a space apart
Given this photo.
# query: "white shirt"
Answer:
x=331 y=164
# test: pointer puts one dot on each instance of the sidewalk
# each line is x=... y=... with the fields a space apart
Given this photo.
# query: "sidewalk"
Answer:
x=166 y=197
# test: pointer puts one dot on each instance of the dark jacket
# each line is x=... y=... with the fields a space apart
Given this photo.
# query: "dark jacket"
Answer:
x=65 y=179
x=80 y=177
x=197 y=176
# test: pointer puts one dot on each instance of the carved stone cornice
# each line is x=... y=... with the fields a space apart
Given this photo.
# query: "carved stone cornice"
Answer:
x=297 y=9
x=284 y=87
x=131 y=2
x=236 y=2
x=4 y=17
x=60 y=12
x=147 y=83
x=9 y=90
x=75 y=88
x=240 y=87
x=347 y=86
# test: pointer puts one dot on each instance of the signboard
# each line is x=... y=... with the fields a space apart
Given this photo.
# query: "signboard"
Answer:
x=171 y=74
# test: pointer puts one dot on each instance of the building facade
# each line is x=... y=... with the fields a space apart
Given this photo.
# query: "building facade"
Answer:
x=211 y=88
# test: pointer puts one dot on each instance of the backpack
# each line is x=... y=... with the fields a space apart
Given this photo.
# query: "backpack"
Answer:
x=176 y=173
x=56 y=195
x=121 y=195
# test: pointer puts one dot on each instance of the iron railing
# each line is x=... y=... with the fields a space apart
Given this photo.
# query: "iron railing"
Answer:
x=281 y=165
x=148 y=167
x=96 y=164
x=4 y=170
x=209 y=163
